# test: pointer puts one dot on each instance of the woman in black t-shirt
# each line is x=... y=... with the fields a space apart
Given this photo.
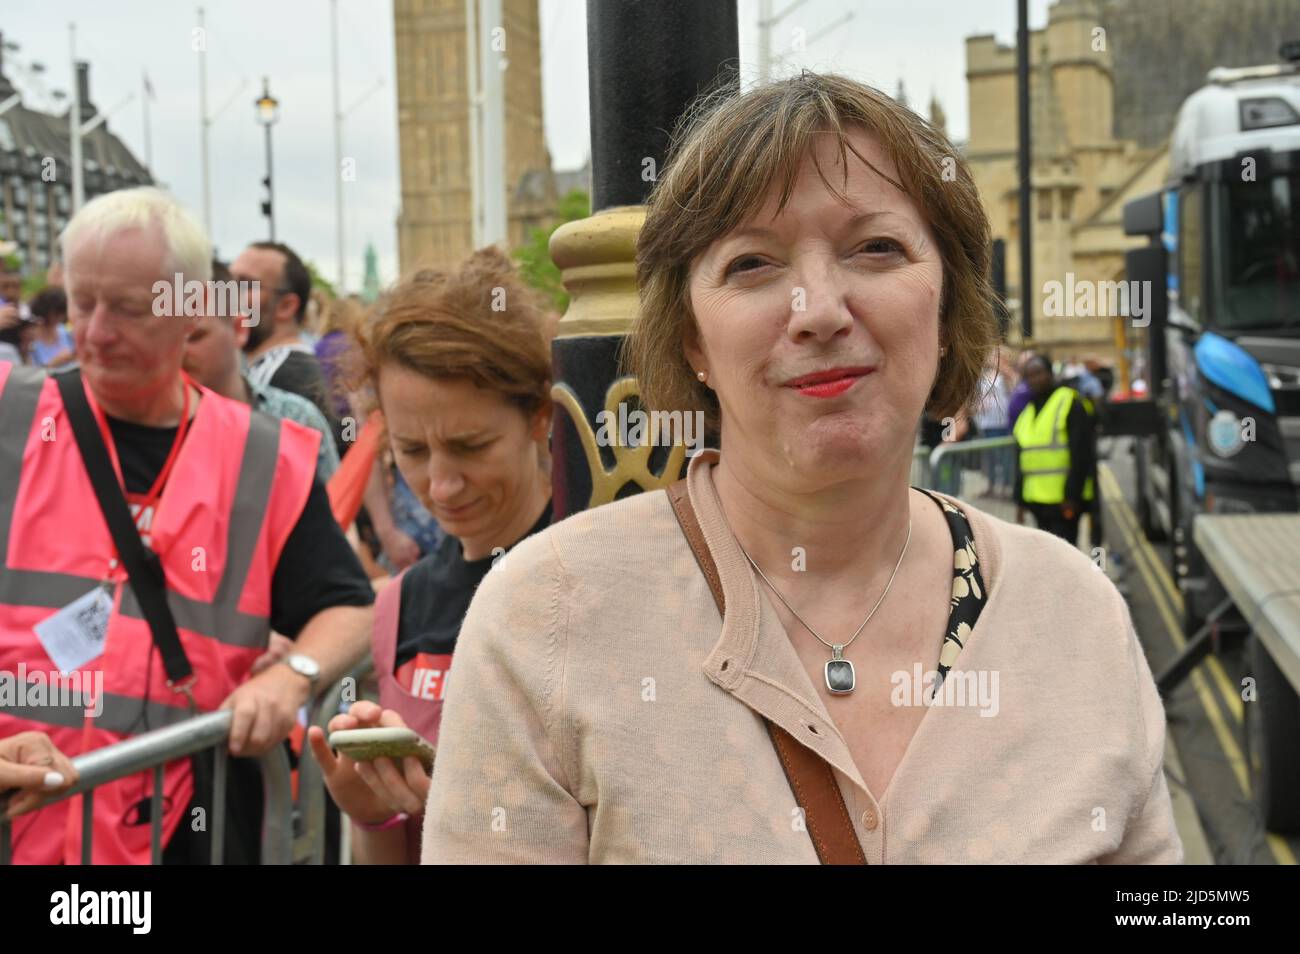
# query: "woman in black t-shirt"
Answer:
x=465 y=391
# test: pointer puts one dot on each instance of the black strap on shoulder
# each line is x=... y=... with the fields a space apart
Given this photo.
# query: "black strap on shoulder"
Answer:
x=143 y=567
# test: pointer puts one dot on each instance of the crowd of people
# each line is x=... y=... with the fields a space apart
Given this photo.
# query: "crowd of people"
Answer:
x=645 y=681
x=466 y=404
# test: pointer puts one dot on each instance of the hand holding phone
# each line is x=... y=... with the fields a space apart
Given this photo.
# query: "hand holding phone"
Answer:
x=370 y=776
x=366 y=745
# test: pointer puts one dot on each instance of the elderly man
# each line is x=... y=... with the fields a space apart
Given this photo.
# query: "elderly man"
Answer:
x=236 y=531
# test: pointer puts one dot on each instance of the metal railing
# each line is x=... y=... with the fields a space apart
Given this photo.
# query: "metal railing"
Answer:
x=920 y=476
x=310 y=848
x=211 y=731
x=153 y=750
x=981 y=472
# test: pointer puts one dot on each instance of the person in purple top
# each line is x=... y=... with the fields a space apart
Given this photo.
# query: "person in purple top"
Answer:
x=341 y=321
x=1020 y=395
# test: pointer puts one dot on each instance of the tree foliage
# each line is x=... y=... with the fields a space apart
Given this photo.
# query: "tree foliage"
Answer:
x=534 y=257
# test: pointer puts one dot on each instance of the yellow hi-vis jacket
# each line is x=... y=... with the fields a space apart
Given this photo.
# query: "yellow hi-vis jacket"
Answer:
x=1045 y=449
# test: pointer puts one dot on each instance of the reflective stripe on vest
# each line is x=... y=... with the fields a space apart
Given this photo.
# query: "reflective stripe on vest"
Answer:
x=1045 y=449
x=238 y=487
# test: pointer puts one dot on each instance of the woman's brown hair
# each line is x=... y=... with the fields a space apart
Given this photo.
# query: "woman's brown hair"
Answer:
x=478 y=321
x=729 y=149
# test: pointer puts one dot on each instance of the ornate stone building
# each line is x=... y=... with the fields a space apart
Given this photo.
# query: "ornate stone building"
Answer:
x=1080 y=172
x=36 y=176
x=434 y=227
x=1106 y=80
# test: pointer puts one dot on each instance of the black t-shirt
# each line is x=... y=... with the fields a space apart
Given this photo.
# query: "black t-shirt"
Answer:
x=436 y=593
x=317 y=568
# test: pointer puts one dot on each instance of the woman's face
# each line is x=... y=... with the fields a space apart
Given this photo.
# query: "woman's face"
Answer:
x=470 y=455
x=819 y=329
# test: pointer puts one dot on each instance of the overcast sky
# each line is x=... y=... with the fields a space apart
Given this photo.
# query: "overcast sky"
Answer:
x=289 y=40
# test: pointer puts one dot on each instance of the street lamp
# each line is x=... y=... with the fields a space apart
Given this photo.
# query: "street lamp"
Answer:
x=268 y=114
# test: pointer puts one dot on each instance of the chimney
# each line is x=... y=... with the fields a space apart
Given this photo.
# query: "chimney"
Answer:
x=83 y=90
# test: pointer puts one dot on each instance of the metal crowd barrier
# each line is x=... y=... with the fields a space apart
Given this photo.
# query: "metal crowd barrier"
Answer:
x=153 y=750
x=981 y=472
x=310 y=848
x=920 y=476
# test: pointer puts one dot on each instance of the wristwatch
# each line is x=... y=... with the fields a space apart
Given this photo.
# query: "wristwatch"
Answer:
x=304 y=666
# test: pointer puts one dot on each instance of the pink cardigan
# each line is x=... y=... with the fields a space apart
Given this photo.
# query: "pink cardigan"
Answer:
x=602 y=711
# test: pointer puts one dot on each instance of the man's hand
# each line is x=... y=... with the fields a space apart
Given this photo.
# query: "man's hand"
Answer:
x=31 y=763
x=8 y=316
x=266 y=709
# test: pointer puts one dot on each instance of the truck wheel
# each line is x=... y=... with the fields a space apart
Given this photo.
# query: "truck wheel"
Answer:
x=1273 y=743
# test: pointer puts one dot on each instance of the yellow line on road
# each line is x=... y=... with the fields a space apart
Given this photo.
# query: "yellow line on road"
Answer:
x=1231 y=696
x=1133 y=537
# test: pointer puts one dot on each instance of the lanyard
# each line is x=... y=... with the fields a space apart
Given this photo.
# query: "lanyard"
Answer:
x=152 y=498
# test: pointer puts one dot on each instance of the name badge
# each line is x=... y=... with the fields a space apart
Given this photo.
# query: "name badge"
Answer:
x=75 y=634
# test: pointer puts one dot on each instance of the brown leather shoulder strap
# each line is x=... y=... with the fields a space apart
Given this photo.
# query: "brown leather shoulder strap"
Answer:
x=681 y=501
x=811 y=779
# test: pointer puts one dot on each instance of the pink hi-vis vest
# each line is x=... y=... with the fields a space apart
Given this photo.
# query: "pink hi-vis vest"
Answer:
x=420 y=710
x=237 y=489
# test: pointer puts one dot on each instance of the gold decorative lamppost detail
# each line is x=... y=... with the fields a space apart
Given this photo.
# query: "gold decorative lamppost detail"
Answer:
x=646 y=63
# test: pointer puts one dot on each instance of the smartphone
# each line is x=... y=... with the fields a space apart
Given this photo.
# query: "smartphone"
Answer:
x=364 y=745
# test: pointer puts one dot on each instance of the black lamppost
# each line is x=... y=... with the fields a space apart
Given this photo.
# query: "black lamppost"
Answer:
x=268 y=114
x=646 y=62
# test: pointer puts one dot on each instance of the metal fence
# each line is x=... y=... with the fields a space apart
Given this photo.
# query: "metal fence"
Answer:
x=153 y=750
x=293 y=832
x=311 y=786
x=981 y=472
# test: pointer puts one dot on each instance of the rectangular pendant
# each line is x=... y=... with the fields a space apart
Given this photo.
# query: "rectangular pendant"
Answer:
x=840 y=677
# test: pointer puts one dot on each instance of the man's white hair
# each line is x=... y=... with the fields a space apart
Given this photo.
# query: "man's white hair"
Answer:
x=188 y=249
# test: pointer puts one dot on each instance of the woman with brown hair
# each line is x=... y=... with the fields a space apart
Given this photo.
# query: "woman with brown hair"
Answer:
x=792 y=655
x=460 y=365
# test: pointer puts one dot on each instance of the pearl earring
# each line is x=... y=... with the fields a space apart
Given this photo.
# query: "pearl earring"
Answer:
x=702 y=375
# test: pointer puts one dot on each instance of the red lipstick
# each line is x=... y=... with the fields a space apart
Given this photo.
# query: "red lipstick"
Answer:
x=828 y=384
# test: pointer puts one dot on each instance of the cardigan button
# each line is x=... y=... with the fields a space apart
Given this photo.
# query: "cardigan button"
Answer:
x=869 y=820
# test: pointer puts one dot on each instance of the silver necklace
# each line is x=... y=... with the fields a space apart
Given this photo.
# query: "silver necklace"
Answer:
x=840 y=676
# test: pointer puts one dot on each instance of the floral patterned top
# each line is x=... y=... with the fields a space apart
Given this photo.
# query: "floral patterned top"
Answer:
x=968 y=592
